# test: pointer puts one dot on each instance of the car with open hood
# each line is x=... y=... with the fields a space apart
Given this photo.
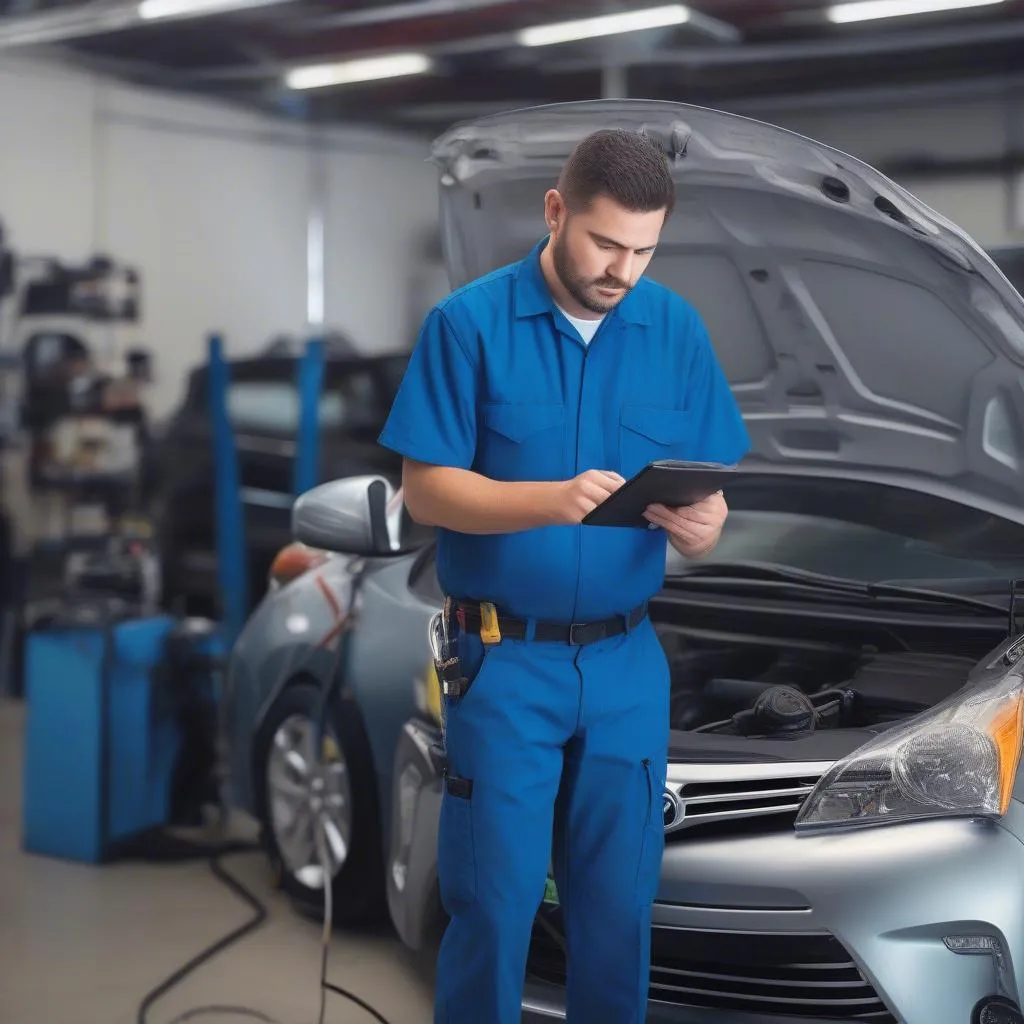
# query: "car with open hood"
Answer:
x=844 y=808
x=842 y=813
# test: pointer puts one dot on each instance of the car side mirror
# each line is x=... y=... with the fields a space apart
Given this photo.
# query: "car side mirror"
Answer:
x=359 y=515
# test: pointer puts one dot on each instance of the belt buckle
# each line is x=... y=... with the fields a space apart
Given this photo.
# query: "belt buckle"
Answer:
x=578 y=632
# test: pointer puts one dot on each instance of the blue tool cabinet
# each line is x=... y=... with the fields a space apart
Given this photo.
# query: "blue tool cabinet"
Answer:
x=101 y=737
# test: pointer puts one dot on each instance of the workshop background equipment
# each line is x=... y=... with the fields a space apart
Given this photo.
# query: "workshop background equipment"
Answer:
x=121 y=731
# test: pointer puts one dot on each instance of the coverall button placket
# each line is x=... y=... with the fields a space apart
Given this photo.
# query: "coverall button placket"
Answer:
x=598 y=396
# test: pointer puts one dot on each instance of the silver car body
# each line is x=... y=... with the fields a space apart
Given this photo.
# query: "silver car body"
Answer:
x=867 y=339
x=912 y=922
x=882 y=905
x=292 y=635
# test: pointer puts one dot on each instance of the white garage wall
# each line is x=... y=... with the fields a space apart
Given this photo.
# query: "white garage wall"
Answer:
x=212 y=203
x=989 y=207
x=46 y=160
x=214 y=215
x=376 y=217
x=929 y=128
x=982 y=206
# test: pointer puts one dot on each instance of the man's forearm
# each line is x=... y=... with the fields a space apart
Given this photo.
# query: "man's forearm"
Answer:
x=467 y=502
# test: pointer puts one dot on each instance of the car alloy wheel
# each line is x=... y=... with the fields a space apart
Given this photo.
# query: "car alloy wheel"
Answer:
x=301 y=790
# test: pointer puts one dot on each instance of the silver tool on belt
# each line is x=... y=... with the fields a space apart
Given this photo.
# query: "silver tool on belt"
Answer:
x=443 y=635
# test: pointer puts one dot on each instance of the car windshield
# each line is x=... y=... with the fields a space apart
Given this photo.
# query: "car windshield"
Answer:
x=273 y=406
x=867 y=532
x=354 y=399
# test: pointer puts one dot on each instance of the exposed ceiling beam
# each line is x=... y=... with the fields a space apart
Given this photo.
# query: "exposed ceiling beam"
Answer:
x=695 y=57
x=713 y=28
x=506 y=43
x=379 y=15
x=66 y=23
x=94 y=19
x=945 y=168
x=995 y=87
x=870 y=45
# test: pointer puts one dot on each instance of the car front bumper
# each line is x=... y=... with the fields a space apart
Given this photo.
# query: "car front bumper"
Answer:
x=775 y=928
x=778 y=928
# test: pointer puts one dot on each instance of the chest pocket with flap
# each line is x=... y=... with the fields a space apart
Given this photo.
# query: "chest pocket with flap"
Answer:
x=648 y=433
x=523 y=441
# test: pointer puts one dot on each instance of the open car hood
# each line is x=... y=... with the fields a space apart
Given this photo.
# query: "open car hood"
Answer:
x=863 y=333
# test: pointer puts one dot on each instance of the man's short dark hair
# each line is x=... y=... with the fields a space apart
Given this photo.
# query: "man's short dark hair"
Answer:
x=626 y=166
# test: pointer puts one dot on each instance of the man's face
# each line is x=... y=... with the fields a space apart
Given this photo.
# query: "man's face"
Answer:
x=599 y=254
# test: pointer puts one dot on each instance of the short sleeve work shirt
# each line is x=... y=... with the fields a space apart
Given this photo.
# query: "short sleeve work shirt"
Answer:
x=500 y=383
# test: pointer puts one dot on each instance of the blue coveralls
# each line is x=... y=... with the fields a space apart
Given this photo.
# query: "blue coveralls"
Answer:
x=565 y=745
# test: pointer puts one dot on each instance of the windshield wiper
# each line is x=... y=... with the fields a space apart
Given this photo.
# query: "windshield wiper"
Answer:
x=767 y=573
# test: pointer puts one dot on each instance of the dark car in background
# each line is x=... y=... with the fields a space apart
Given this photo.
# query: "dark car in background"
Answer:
x=263 y=409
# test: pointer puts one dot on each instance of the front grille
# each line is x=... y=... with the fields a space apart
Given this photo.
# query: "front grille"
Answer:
x=808 y=975
x=737 y=798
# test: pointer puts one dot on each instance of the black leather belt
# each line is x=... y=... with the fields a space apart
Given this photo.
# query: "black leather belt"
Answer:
x=576 y=633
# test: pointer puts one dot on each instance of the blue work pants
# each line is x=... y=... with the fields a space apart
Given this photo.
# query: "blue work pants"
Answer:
x=565 y=748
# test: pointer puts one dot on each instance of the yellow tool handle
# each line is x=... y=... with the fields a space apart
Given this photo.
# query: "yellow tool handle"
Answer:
x=489 y=630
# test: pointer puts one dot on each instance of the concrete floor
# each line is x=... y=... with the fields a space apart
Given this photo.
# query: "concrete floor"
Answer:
x=83 y=945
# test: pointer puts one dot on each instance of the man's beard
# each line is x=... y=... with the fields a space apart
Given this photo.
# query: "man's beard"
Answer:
x=582 y=290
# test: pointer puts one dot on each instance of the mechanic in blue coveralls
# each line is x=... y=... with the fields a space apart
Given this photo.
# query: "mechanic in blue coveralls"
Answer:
x=530 y=397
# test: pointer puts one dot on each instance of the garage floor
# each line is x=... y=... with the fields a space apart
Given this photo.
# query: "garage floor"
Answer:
x=83 y=945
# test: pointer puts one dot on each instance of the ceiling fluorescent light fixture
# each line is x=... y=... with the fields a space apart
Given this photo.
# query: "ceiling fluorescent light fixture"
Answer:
x=869 y=10
x=605 y=25
x=367 y=69
x=151 y=10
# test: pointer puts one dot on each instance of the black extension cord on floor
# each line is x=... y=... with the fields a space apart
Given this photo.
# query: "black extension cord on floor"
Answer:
x=165 y=849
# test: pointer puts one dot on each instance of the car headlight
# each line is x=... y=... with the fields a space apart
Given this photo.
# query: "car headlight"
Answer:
x=958 y=759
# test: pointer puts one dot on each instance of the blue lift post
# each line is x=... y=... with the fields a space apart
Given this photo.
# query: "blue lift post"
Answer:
x=310 y=381
x=232 y=565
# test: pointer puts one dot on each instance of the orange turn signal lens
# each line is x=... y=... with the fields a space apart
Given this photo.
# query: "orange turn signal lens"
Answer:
x=1005 y=729
x=295 y=560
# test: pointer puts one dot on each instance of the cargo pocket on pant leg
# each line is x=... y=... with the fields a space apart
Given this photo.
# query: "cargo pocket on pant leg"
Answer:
x=456 y=855
x=652 y=840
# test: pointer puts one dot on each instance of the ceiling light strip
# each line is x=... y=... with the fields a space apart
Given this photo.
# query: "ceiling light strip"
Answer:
x=604 y=25
x=869 y=10
x=367 y=69
x=155 y=10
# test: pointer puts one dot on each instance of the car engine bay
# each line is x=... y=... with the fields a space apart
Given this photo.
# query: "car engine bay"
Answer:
x=765 y=692
x=806 y=695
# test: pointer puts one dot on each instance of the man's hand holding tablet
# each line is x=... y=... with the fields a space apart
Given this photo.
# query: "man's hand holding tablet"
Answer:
x=683 y=498
x=693 y=530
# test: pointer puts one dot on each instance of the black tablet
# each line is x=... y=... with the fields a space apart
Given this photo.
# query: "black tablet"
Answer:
x=660 y=483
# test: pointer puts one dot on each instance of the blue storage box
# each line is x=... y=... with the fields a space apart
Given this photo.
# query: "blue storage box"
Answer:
x=100 y=740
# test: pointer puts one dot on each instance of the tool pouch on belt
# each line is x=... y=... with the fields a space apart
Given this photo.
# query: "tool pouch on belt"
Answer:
x=444 y=648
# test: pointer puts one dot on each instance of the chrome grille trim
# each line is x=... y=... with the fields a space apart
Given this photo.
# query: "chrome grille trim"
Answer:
x=703 y=794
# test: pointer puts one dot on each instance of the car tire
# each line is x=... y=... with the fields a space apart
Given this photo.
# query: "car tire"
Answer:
x=358 y=890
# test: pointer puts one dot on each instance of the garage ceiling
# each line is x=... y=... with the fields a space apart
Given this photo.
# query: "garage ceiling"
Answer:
x=713 y=52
